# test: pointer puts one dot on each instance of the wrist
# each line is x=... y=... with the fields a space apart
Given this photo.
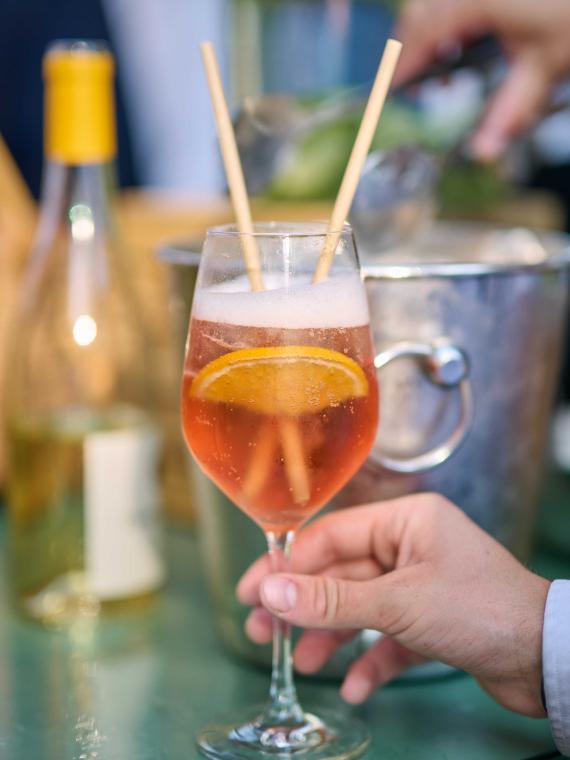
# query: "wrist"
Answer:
x=513 y=673
x=529 y=645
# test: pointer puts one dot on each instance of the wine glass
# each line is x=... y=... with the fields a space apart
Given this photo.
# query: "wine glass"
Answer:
x=279 y=409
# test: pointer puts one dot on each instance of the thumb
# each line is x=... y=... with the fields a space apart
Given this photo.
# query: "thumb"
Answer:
x=322 y=601
x=514 y=107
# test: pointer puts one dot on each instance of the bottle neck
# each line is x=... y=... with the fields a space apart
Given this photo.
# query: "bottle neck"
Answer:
x=76 y=218
x=67 y=186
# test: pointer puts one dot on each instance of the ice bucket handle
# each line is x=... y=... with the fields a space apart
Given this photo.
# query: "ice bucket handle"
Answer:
x=447 y=365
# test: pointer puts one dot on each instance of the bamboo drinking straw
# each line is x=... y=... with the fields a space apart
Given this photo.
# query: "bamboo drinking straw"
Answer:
x=232 y=166
x=358 y=155
x=289 y=433
x=264 y=453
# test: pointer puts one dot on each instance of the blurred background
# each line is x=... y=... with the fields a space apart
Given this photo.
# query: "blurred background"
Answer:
x=321 y=55
x=297 y=74
x=309 y=48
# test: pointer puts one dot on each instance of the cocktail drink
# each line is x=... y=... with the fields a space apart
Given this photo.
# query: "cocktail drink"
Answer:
x=280 y=408
x=247 y=387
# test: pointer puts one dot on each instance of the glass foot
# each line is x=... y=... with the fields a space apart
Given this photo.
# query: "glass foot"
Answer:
x=332 y=736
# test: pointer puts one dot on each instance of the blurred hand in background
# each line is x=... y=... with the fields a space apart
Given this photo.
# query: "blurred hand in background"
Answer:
x=534 y=36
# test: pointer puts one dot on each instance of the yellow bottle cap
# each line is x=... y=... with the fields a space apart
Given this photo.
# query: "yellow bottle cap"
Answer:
x=79 y=105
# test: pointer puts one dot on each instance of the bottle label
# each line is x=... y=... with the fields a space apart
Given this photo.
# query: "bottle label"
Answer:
x=122 y=556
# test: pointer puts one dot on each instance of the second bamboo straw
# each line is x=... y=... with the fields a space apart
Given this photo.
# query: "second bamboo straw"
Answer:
x=353 y=170
x=232 y=165
x=289 y=432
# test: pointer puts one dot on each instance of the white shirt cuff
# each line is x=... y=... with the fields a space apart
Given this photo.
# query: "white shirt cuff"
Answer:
x=556 y=662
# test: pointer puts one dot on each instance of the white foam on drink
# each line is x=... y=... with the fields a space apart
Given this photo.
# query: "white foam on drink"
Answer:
x=339 y=301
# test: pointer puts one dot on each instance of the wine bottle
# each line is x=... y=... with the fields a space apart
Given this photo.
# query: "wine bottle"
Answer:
x=83 y=447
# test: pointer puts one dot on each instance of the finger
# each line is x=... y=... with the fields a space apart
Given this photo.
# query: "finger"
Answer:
x=355 y=570
x=514 y=107
x=325 y=602
x=358 y=570
x=378 y=665
x=315 y=648
x=247 y=590
x=259 y=626
x=423 y=40
x=349 y=534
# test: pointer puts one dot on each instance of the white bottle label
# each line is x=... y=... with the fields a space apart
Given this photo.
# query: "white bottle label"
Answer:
x=122 y=555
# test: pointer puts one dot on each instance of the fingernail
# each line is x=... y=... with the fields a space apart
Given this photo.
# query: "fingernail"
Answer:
x=487 y=146
x=356 y=690
x=245 y=596
x=258 y=625
x=279 y=594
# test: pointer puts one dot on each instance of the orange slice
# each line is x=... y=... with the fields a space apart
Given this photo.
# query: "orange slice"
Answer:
x=283 y=380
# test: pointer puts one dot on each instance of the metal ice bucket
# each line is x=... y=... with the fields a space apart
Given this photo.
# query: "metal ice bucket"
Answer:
x=468 y=325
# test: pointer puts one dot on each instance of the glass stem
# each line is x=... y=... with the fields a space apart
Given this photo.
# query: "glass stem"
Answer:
x=283 y=707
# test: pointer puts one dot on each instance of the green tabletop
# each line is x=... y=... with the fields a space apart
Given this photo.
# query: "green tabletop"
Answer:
x=139 y=688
